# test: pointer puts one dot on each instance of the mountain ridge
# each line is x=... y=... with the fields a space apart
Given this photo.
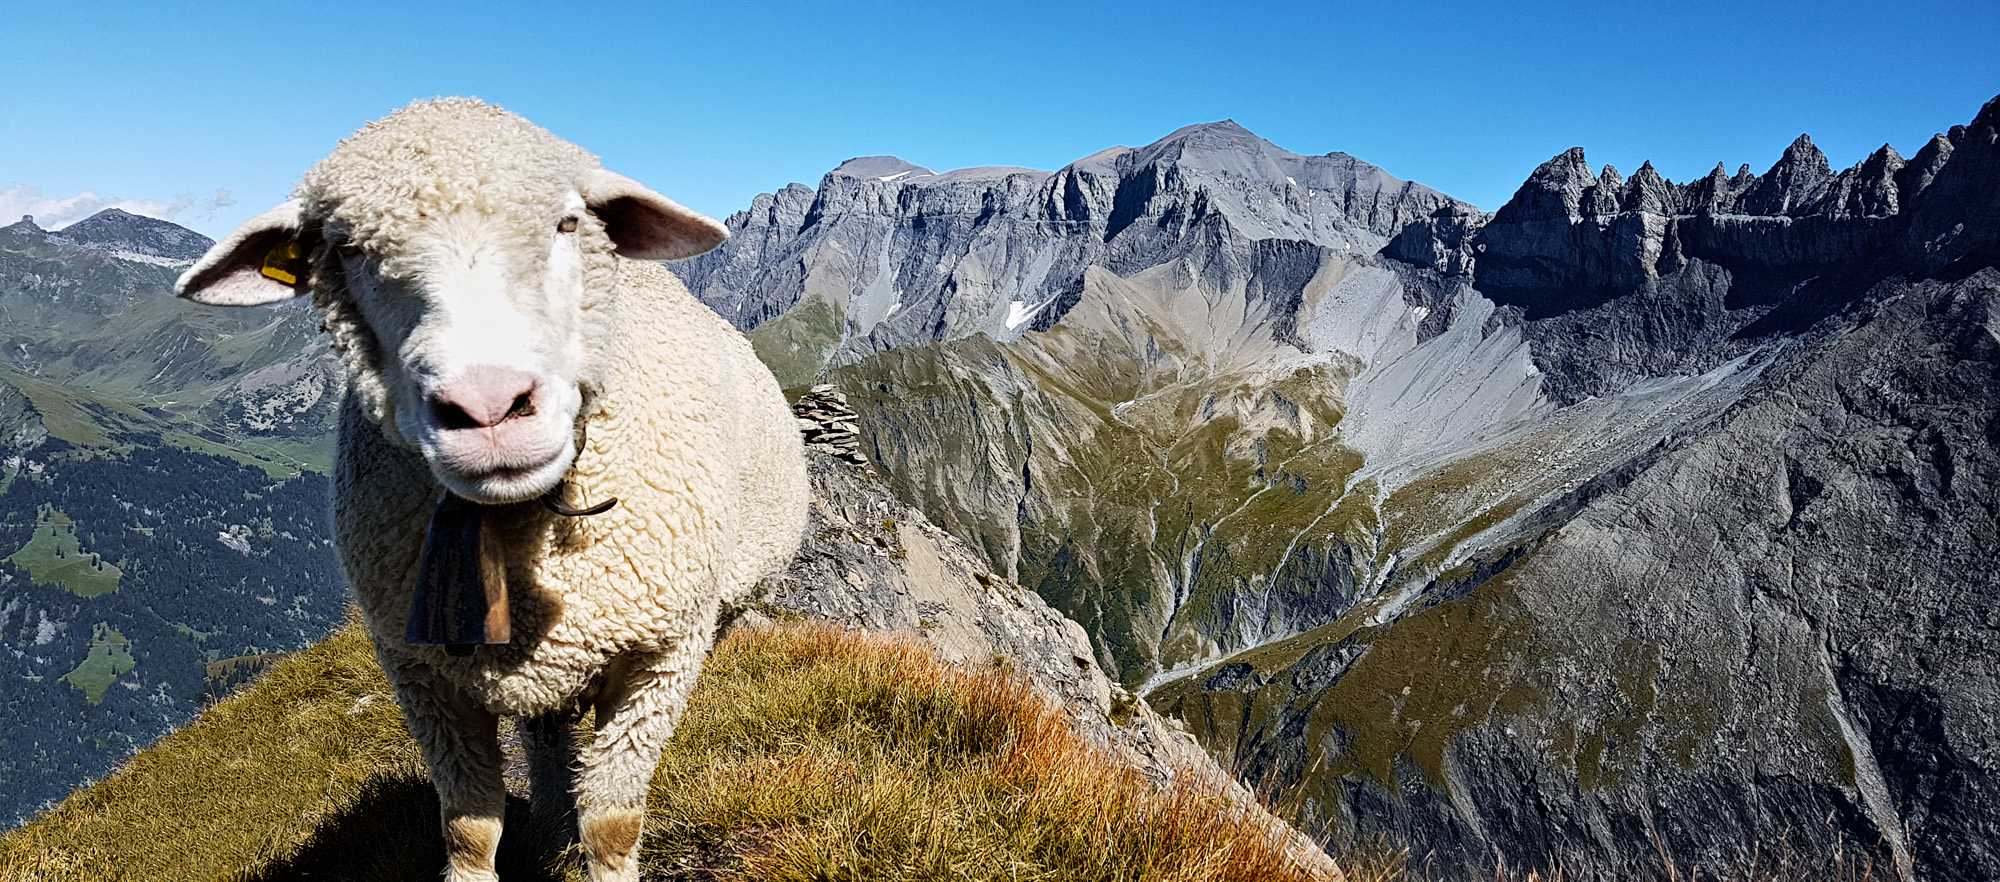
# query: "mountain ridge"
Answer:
x=1057 y=224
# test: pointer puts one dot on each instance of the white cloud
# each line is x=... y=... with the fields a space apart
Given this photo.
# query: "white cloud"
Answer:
x=54 y=213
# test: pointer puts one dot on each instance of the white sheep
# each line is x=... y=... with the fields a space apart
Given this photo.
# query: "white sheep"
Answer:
x=507 y=339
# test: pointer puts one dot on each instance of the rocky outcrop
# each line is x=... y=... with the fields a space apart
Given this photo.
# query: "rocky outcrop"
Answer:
x=828 y=424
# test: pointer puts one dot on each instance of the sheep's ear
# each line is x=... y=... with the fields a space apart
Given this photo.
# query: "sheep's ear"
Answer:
x=264 y=261
x=645 y=225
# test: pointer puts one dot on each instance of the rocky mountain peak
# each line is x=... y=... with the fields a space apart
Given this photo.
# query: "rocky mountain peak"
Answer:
x=1648 y=192
x=1222 y=133
x=1103 y=162
x=1554 y=190
x=1793 y=185
x=880 y=168
x=1989 y=115
x=25 y=225
x=917 y=255
x=121 y=231
x=1220 y=146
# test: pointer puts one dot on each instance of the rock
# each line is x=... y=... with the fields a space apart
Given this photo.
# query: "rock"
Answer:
x=827 y=424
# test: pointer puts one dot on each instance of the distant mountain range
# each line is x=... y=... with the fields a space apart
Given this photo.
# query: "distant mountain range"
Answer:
x=130 y=236
x=1635 y=517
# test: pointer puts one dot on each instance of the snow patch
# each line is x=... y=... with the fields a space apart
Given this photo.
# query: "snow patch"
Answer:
x=1019 y=312
x=136 y=257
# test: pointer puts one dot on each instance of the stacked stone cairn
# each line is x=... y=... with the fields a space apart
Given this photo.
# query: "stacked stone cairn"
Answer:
x=828 y=424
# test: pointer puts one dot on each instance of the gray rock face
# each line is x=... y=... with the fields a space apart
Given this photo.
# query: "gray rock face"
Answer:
x=1636 y=518
x=1775 y=624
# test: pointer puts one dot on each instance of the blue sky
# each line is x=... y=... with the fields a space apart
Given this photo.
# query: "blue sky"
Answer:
x=164 y=105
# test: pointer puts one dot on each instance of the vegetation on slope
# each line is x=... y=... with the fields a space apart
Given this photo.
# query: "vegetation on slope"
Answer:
x=55 y=557
x=212 y=561
x=807 y=753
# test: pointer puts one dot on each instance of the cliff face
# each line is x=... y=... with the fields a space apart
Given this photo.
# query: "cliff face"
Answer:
x=1635 y=514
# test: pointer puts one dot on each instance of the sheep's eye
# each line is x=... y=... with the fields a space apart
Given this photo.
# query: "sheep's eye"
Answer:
x=566 y=225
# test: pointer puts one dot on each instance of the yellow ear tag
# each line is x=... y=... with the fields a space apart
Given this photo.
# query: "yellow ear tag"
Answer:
x=284 y=263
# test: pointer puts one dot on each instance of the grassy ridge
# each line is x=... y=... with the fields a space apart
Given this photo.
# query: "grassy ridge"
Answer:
x=806 y=753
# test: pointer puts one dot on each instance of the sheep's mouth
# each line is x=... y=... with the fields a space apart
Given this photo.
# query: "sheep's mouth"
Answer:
x=505 y=483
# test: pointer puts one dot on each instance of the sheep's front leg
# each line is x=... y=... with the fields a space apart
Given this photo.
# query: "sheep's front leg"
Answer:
x=461 y=745
x=551 y=748
x=642 y=701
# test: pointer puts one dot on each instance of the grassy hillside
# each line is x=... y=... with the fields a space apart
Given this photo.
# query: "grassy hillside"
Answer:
x=807 y=753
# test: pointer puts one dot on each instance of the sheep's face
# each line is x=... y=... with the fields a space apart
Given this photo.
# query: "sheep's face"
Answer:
x=480 y=329
x=465 y=262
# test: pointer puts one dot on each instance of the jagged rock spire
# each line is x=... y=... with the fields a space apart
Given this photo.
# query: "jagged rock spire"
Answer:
x=1555 y=190
x=1794 y=184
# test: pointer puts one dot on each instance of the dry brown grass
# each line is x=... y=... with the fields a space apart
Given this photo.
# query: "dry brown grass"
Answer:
x=807 y=753
x=816 y=753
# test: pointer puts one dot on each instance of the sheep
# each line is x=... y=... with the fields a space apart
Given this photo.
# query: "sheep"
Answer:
x=514 y=355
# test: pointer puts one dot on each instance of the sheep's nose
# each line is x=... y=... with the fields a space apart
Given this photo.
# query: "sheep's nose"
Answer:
x=484 y=395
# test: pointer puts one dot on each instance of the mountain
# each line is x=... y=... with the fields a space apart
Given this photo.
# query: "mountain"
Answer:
x=164 y=527
x=136 y=237
x=1635 y=521
x=886 y=254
